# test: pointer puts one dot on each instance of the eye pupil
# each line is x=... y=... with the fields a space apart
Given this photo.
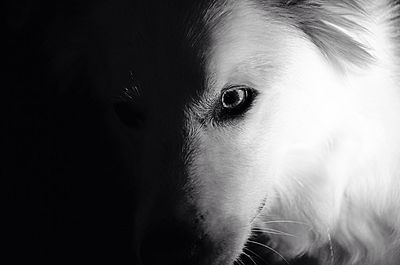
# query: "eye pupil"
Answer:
x=234 y=102
x=233 y=98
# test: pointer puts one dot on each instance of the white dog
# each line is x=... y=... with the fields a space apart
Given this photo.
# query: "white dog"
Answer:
x=296 y=134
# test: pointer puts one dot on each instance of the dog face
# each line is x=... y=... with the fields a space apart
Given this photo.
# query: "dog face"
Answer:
x=244 y=158
x=266 y=140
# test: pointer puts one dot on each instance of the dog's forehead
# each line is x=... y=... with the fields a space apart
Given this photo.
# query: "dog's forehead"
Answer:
x=247 y=45
x=237 y=43
x=182 y=50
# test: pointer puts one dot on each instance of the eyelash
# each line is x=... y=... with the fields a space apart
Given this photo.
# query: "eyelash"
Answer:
x=128 y=107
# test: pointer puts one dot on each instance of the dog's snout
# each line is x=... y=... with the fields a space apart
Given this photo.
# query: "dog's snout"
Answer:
x=171 y=243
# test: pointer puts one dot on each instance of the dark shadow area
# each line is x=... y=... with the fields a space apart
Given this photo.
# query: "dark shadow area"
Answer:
x=69 y=163
x=68 y=182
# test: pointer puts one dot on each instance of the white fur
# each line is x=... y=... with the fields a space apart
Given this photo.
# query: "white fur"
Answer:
x=321 y=145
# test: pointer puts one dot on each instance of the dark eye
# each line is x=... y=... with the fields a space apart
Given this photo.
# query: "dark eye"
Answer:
x=129 y=106
x=236 y=100
x=233 y=97
x=132 y=115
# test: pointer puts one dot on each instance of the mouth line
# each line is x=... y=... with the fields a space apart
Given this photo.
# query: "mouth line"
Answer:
x=259 y=210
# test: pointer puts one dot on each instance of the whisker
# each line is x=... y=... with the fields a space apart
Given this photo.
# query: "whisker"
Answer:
x=268 y=229
x=331 y=246
x=288 y=221
x=238 y=260
x=247 y=255
x=255 y=254
x=271 y=249
x=272 y=232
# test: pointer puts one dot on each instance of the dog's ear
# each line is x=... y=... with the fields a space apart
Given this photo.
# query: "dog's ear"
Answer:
x=333 y=26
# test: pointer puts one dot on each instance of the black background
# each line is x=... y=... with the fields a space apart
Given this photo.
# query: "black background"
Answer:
x=69 y=192
x=69 y=164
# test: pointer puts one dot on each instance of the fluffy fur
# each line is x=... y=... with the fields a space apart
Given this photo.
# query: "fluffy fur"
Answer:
x=317 y=156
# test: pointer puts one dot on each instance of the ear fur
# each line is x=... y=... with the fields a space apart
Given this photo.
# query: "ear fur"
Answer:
x=331 y=26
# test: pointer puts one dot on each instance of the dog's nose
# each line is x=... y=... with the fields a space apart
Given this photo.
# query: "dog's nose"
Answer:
x=172 y=243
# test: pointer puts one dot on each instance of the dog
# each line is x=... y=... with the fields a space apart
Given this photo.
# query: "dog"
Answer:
x=280 y=134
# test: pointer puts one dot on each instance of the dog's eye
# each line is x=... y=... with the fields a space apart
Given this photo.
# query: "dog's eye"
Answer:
x=236 y=100
x=132 y=115
x=129 y=106
x=233 y=97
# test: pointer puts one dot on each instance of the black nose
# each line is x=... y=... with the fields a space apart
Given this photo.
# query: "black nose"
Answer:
x=172 y=243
